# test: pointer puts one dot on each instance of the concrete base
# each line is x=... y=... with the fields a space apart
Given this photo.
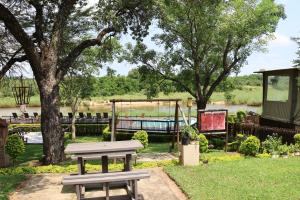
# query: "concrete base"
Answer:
x=189 y=154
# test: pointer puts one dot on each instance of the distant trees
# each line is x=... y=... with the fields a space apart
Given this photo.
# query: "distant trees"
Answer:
x=74 y=89
x=297 y=60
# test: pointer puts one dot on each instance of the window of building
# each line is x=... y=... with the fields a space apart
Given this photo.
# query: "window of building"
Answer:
x=278 y=88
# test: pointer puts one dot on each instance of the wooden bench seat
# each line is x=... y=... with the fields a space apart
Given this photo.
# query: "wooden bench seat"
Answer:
x=106 y=178
x=98 y=156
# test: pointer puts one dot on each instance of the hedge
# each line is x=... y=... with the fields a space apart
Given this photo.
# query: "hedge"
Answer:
x=81 y=129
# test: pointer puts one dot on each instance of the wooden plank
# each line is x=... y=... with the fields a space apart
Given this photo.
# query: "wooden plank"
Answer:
x=103 y=147
x=107 y=179
x=75 y=176
x=99 y=155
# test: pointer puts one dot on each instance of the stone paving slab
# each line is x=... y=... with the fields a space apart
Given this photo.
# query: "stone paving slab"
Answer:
x=48 y=187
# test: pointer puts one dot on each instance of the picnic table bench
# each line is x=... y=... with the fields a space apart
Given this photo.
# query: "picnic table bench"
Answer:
x=105 y=150
x=107 y=178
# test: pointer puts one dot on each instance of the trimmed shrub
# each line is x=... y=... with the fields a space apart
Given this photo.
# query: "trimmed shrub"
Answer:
x=250 y=146
x=14 y=147
x=297 y=138
x=142 y=136
x=203 y=143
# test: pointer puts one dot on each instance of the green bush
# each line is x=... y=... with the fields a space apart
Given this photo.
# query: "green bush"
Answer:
x=190 y=132
x=231 y=119
x=106 y=134
x=272 y=143
x=283 y=149
x=203 y=143
x=235 y=145
x=241 y=116
x=218 y=143
x=14 y=147
x=142 y=136
x=297 y=138
x=250 y=146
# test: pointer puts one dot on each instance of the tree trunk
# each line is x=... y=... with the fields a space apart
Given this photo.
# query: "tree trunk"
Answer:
x=53 y=138
x=201 y=103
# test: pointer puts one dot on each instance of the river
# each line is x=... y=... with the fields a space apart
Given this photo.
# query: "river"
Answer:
x=135 y=109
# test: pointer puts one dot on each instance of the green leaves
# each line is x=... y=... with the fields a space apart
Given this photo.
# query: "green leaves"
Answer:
x=205 y=41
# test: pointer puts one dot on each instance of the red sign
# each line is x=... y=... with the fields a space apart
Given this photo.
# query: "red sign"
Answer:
x=212 y=121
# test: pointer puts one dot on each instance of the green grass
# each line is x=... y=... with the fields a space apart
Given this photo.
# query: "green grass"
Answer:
x=35 y=151
x=9 y=102
x=156 y=148
x=8 y=183
x=32 y=152
x=250 y=178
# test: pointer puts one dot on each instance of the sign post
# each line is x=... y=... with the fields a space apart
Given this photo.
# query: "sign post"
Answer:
x=213 y=122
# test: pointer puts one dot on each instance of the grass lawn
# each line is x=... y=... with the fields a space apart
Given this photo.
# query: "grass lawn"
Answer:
x=249 y=178
x=9 y=184
x=35 y=151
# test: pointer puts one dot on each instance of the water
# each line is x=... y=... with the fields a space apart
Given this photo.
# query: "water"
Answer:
x=149 y=109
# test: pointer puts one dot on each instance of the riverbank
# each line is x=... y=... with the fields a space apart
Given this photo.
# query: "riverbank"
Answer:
x=251 y=96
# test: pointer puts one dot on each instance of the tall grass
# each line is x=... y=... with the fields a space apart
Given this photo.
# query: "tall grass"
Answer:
x=248 y=95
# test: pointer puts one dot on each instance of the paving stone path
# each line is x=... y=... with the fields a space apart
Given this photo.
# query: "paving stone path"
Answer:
x=48 y=187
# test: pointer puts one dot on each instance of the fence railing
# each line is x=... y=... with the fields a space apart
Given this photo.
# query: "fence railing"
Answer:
x=150 y=125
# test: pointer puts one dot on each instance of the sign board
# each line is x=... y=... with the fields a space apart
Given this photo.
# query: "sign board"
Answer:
x=212 y=120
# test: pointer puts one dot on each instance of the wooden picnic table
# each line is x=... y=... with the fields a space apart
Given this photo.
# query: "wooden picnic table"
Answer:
x=104 y=150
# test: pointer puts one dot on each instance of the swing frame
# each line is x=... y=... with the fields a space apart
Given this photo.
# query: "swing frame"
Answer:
x=176 y=118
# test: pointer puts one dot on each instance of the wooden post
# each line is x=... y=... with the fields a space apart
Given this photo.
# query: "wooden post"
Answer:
x=226 y=124
x=175 y=127
x=113 y=123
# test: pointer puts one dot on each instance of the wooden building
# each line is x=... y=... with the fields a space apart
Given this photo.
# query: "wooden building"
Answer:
x=281 y=98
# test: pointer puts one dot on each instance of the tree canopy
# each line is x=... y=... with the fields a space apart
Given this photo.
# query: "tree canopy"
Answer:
x=51 y=36
x=202 y=42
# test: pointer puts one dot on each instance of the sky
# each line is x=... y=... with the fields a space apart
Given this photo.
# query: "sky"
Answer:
x=280 y=52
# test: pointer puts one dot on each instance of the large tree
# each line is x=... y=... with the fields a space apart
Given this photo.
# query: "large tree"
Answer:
x=202 y=42
x=51 y=35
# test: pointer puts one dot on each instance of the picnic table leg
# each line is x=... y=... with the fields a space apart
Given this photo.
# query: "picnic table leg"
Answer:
x=127 y=165
x=104 y=160
x=80 y=165
x=106 y=191
x=78 y=192
x=135 y=190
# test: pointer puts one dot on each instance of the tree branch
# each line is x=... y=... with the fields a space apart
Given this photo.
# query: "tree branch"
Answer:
x=171 y=79
x=11 y=62
x=64 y=11
x=69 y=60
x=14 y=27
x=39 y=21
